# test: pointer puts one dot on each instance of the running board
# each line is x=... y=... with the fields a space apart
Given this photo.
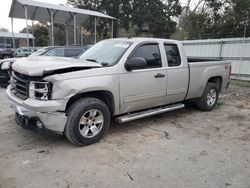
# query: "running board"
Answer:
x=146 y=113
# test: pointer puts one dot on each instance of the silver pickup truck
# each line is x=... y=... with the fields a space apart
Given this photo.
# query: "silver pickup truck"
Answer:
x=124 y=79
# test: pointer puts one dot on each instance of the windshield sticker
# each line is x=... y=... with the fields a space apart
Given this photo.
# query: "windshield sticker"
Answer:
x=120 y=45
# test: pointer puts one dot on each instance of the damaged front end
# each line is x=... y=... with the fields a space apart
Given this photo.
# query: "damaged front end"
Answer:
x=30 y=98
x=36 y=114
x=30 y=92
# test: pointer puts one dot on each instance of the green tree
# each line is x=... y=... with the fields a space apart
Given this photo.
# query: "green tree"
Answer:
x=2 y=29
x=115 y=8
x=156 y=15
x=217 y=19
x=134 y=16
x=59 y=34
x=41 y=33
x=2 y=39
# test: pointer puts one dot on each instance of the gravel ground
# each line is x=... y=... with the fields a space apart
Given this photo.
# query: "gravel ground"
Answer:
x=185 y=148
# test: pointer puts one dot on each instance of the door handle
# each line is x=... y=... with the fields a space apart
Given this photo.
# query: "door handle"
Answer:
x=159 y=75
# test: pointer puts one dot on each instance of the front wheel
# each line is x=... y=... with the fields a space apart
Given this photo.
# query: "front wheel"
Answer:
x=209 y=98
x=88 y=121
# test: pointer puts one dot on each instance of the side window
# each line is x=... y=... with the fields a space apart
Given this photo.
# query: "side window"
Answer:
x=173 y=55
x=55 y=52
x=151 y=53
x=73 y=52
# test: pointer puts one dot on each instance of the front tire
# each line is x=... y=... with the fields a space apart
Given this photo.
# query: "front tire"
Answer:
x=88 y=121
x=209 y=99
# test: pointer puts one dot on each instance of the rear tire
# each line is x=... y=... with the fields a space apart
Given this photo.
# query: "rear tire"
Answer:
x=88 y=121
x=209 y=99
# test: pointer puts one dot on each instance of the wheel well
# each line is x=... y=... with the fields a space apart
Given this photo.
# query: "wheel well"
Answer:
x=217 y=80
x=105 y=96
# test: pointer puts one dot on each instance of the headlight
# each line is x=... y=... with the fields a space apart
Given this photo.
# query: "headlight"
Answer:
x=40 y=90
x=5 y=65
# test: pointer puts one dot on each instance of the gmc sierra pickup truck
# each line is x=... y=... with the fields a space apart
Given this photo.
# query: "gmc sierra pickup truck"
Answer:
x=124 y=79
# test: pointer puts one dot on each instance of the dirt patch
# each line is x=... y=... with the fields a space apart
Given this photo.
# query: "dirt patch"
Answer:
x=245 y=137
x=236 y=117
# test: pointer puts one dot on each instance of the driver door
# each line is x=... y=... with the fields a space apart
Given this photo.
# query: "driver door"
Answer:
x=144 y=87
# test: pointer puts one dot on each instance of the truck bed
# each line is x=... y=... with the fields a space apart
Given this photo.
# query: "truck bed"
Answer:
x=201 y=71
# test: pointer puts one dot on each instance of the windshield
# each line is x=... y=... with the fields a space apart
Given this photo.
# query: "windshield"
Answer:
x=106 y=52
x=39 y=52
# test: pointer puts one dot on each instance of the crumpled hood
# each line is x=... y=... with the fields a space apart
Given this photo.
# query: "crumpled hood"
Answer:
x=42 y=65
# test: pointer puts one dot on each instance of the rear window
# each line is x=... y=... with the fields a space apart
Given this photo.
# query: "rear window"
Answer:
x=173 y=55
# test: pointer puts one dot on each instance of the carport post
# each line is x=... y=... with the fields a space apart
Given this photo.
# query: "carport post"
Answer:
x=74 y=29
x=81 y=36
x=67 y=34
x=27 y=30
x=112 y=32
x=95 y=29
x=13 y=38
x=33 y=39
x=52 y=27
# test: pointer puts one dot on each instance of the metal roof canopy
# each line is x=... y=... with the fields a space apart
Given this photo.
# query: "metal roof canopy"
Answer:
x=39 y=11
x=16 y=35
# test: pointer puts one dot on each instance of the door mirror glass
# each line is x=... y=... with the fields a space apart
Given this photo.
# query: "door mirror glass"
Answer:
x=135 y=63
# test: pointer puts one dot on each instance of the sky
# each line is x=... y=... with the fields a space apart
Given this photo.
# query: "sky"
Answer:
x=19 y=24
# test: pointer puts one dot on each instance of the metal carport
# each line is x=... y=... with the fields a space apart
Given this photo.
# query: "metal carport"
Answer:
x=16 y=36
x=39 y=11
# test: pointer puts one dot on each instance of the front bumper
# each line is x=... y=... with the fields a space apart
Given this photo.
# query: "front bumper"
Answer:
x=32 y=114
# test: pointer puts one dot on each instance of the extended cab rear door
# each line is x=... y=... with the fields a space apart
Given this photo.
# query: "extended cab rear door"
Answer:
x=177 y=72
x=143 y=87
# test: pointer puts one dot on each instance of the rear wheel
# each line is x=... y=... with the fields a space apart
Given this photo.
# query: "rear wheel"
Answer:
x=209 y=98
x=88 y=121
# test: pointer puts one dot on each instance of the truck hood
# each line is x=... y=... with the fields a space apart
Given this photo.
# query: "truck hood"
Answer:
x=44 y=65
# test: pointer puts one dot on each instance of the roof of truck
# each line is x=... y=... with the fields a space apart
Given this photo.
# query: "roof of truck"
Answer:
x=146 y=39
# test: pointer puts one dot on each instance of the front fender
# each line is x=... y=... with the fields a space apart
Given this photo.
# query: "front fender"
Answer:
x=66 y=89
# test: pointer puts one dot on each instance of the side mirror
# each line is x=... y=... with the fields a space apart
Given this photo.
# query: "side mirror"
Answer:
x=135 y=63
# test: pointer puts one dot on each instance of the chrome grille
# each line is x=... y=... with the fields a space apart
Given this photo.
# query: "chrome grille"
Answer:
x=20 y=85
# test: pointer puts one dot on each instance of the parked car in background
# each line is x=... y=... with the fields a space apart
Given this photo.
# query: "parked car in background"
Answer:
x=6 y=53
x=61 y=51
x=5 y=45
x=24 y=51
x=4 y=74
